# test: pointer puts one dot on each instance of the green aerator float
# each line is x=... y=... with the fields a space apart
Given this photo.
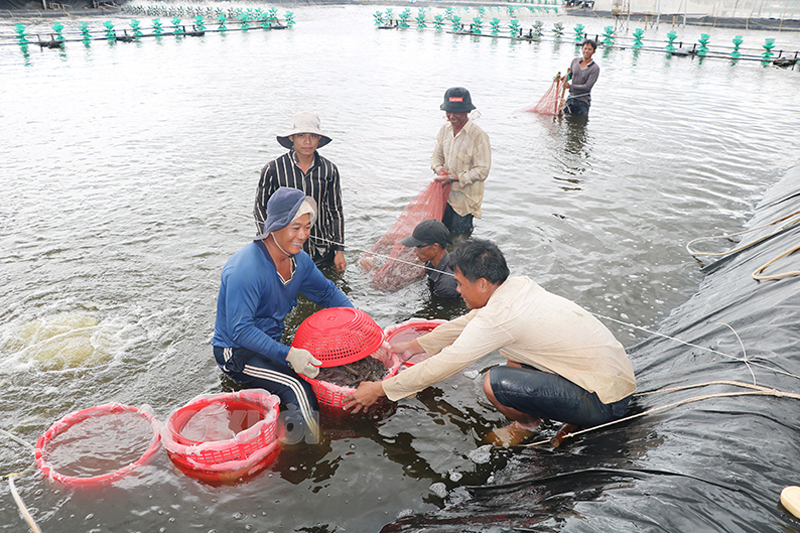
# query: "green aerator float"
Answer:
x=558 y=31
x=671 y=36
x=158 y=29
x=737 y=42
x=495 y=26
x=637 y=38
x=578 y=33
x=421 y=18
x=702 y=50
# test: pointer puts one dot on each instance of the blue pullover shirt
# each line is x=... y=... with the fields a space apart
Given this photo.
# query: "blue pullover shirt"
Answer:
x=253 y=301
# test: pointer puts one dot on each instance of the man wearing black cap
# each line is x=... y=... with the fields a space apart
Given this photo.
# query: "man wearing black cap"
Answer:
x=305 y=169
x=462 y=157
x=429 y=239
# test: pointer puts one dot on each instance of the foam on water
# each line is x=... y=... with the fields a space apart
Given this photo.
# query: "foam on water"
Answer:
x=61 y=341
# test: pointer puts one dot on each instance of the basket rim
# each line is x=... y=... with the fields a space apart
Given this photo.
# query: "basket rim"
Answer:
x=433 y=324
x=177 y=431
x=78 y=416
x=190 y=450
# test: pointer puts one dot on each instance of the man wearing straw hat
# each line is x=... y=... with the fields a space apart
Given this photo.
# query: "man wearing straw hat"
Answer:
x=462 y=156
x=259 y=286
x=304 y=169
x=562 y=363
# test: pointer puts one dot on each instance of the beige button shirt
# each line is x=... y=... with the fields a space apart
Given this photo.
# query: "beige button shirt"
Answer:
x=469 y=156
x=528 y=325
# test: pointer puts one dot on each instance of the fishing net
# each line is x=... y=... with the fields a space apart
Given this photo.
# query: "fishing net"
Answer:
x=392 y=265
x=553 y=100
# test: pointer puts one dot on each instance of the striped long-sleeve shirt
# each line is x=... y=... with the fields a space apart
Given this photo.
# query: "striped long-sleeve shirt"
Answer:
x=321 y=182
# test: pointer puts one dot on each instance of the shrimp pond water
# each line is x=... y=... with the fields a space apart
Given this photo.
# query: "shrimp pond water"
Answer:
x=128 y=173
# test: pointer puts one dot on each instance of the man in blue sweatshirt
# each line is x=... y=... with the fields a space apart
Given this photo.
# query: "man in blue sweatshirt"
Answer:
x=259 y=287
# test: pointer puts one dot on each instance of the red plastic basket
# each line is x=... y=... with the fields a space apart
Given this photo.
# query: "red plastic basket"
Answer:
x=248 y=452
x=332 y=396
x=339 y=335
x=45 y=442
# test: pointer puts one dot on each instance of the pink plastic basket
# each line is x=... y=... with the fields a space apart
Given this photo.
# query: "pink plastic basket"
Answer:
x=248 y=452
x=46 y=442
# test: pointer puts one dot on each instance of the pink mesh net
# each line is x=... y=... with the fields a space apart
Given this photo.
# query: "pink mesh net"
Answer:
x=391 y=265
x=553 y=100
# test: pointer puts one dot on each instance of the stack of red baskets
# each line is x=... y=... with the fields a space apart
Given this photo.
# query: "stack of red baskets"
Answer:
x=248 y=452
x=339 y=336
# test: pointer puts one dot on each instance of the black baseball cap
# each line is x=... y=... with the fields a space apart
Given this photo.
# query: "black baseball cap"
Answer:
x=428 y=232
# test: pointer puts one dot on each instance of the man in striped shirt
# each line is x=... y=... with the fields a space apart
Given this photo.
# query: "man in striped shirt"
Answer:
x=304 y=169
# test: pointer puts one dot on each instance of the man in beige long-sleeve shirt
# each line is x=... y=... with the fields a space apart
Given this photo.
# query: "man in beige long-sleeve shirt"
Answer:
x=563 y=364
x=462 y=156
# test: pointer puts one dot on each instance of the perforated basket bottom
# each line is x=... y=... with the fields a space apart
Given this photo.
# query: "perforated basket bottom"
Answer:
x=339 y=335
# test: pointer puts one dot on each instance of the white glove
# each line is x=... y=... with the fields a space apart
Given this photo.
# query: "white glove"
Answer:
x=303 y=362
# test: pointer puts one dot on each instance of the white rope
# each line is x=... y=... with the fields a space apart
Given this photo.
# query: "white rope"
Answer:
x=744 y=352
x=691 y=344
x=387 y=257
x=379 y=255
x=751 y=243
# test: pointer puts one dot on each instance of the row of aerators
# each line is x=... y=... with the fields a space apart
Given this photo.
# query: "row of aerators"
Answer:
x=235 y=20
x=609 y=38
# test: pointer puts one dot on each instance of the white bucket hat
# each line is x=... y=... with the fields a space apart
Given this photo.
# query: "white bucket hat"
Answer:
x=304 y=122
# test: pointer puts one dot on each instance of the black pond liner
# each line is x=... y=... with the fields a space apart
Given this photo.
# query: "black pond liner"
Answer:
x=714 y=465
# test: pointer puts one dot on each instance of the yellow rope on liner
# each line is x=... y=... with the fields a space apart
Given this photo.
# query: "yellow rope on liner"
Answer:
x=758 y=391
x=776 y=276
x=742 y=247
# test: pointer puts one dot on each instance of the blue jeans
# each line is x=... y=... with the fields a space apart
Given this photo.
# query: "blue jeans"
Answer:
x=546 y=395
x=577 y=107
